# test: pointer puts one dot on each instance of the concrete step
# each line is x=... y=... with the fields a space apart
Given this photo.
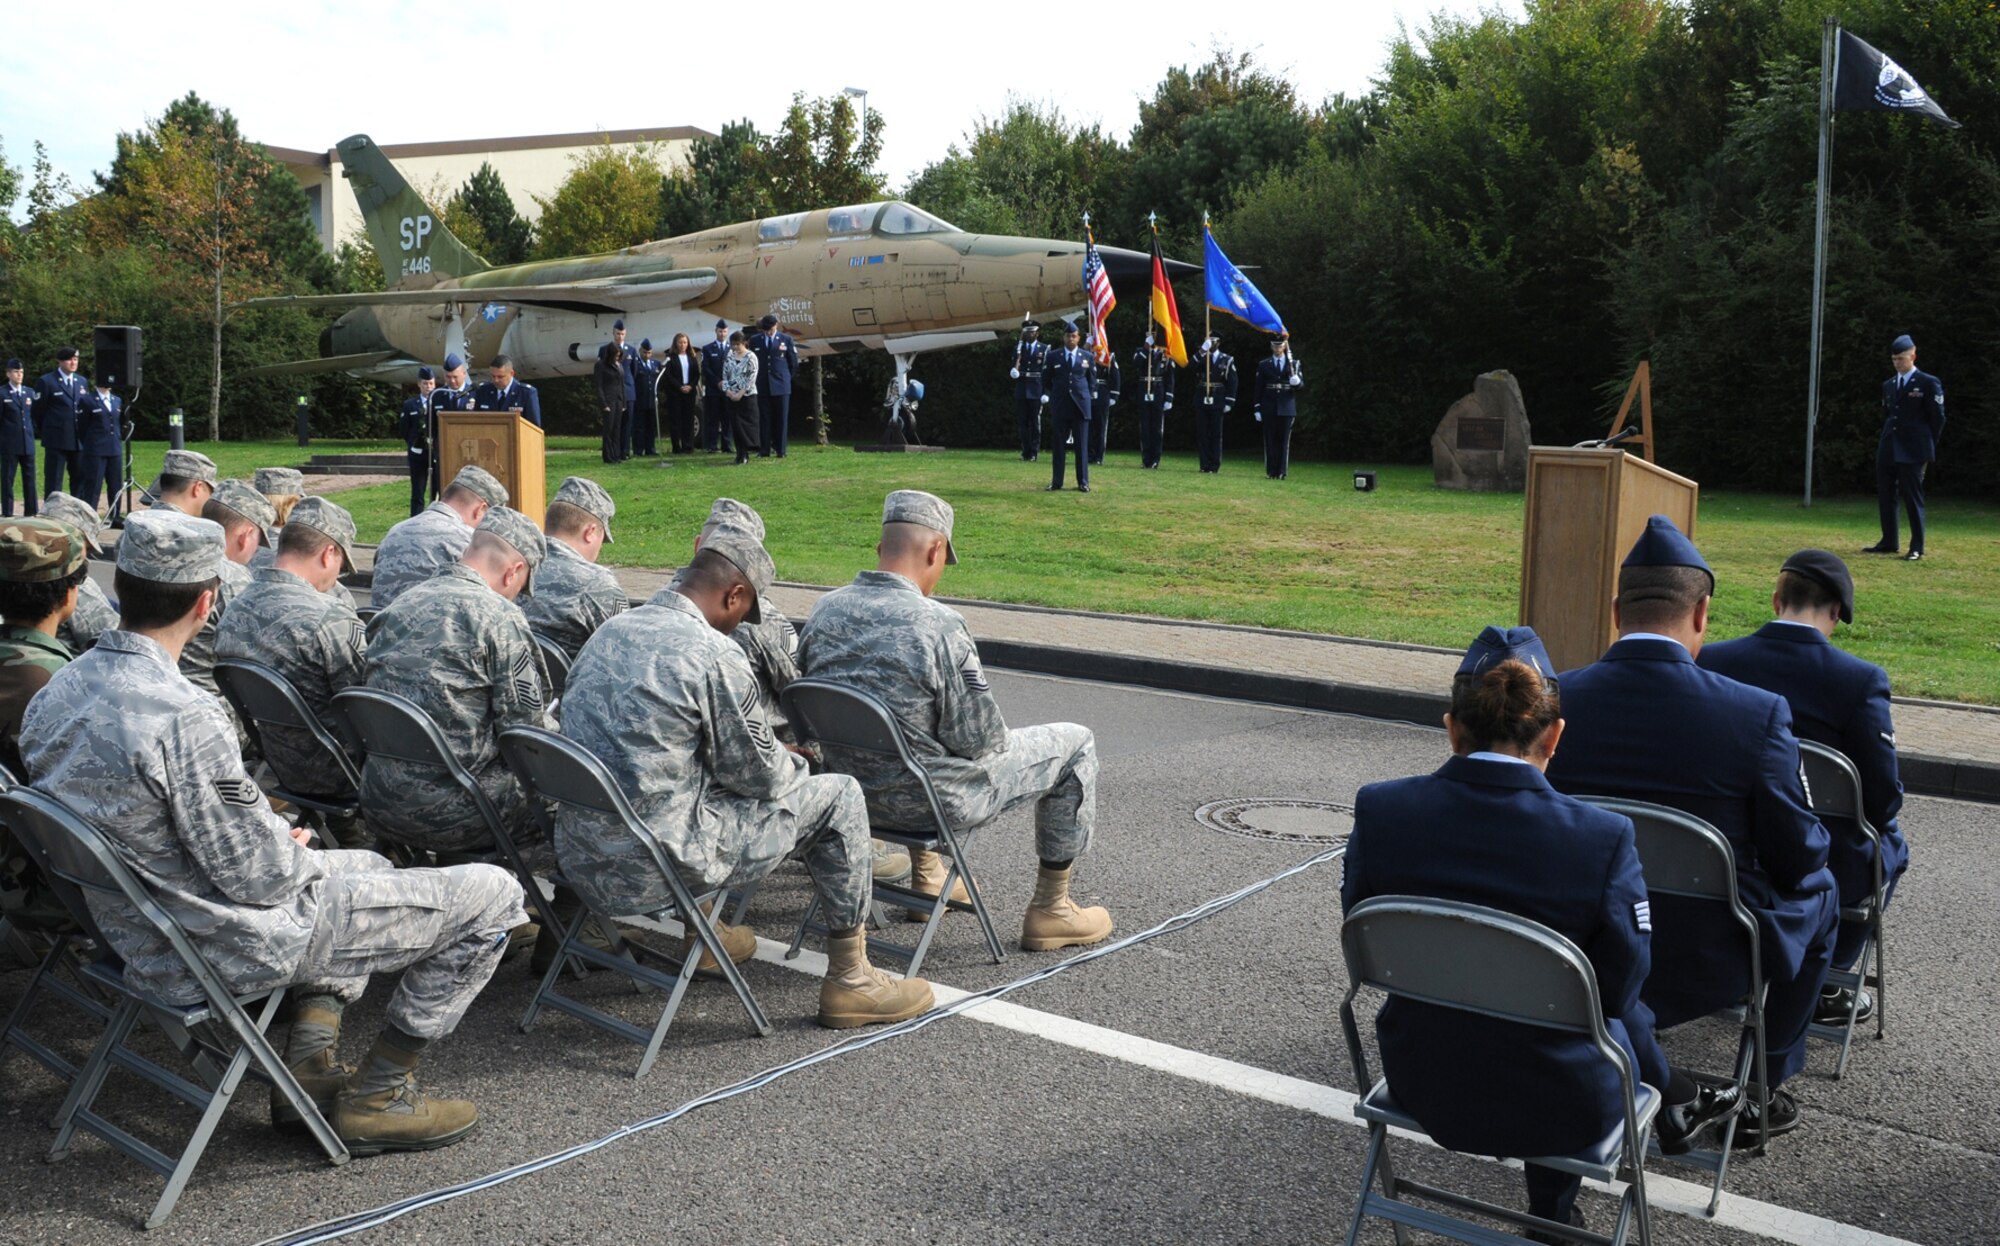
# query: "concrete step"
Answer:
x=388 y=464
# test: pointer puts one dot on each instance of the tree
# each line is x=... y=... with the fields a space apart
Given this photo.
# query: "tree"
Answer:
x=609 y=200
x=507 y=236
x=10 y=190
x=54 y=229
x=722 y=184
x=1031 y=171
x=817 y=158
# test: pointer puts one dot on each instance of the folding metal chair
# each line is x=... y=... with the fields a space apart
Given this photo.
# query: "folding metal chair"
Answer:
x=833 y=713
x=555 y=662
x=1834 y=784
x=1681 y=855
x=562 y=771
x=1494 y=964
x=71 y=850
x=264 y=698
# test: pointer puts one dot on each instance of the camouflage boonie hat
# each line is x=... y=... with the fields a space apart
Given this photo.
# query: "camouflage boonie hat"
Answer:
x=168 y=547
x=520 y=532
x=242 y=497
x=36 y=551
x=188 y=465
x=728 y=512
x=328 y=519
x=589 y=497
x=279 y=481
x=78 y=514
x=483 y=484
x=748 y=556
x=926 y=510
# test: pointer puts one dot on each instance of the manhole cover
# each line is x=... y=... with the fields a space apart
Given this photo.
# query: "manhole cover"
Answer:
x=1285 y=821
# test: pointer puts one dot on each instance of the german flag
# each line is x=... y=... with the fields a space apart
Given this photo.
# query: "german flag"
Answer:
x=1165 y=313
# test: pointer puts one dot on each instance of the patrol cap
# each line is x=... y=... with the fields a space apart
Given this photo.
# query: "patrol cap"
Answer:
x=520 y=532
x=590 y=497
x=242 y=497
x=924 y=509
x=36 y=551
x=1901 y=344
x=424 y=373
x=65 y=352
x=1825 y=568
x=166 y=546
x=78 y=514
x=329 y=519
x=747 y=555
x=1662 y=545
x=188 y=465
x=1497 y=644
x=452 y=362
x=482 y=484
x=730 y=513
x=279 y=481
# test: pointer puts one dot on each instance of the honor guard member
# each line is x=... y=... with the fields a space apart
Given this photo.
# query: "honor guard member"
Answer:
x=1487 y=829
x=100 y=445
x=1067 y=377
x=287 y=620
x=1912 y=423
x=1153 y=377
x=458 y=647
x=574 y=596
x=425 y=544
x=617 y=388
x=1649 y=724
x=715 y=419
x=186 y=482
x=646 y=406
x=1030 y=353
x=57 y=396
x=1276 y=402
x=672 y=709
x=454 y=393
x=1840 y=701
x=94 y=615
x=1106 y=381
x=501 y=392
x=43 y=564
x=414 y=426
x=243 y=514
x=777 y=362
x=152 y=764
x=1214 y=374
x=884 y=635
x=17 y=441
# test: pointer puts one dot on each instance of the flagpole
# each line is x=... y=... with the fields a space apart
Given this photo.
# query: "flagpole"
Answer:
x=1207 y=307
x=1829 y=70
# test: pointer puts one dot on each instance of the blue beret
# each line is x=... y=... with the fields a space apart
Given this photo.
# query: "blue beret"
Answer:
x=645 y=343
x=1495 y=645
x=424 y=373
x=1901 y=344
x=1662 y=545
x=617 y=324
x=453 y=363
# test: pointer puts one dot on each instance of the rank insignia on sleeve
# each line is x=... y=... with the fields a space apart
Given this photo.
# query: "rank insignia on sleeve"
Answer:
x=239 y=792
x=1642 y=912
x=974 y=675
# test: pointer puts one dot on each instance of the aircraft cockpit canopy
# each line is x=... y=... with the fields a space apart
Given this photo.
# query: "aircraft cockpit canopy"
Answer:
x=899 y=219
x=780 y=228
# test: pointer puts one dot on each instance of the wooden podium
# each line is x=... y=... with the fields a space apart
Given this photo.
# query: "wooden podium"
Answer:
x=503 y=443
x=1585 y=510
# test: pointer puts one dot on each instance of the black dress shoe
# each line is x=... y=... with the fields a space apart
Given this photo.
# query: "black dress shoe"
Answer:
x=1913 y=556
x=1880 y=547
x=1833 y=1007
x=1752 y=1128
x=1679 y=1122
x=1550 y=1239
x=1051 y=488
x=1083 y=488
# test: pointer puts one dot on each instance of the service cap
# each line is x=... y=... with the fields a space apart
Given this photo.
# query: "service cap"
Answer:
x=925 y=509
x=453 y=362
x=1663 y=545
x=1497 y=644
x=1901 y=344
x=424 y=373
x=166 y=546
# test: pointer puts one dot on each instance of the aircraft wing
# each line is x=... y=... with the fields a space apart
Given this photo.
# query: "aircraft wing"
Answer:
x=364 y=365
x=625 y=294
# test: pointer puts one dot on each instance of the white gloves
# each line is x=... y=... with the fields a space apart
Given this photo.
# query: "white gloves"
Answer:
x=1014 y=373
x=1259 y=415
x=1169 y=406
x=1045 y=400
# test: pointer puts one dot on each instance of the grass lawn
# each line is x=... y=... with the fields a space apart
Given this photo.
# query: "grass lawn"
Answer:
x=1408 y=562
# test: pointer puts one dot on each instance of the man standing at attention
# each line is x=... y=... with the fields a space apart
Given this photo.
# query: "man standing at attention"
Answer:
x=1912 y=422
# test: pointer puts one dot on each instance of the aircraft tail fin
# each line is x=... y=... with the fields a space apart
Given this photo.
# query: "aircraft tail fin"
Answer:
x=410 y=239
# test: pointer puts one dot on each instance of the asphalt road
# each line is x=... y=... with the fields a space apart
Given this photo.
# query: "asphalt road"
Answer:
x=1185 y=1089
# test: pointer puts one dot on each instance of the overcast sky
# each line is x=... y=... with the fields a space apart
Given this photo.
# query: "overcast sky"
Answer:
x=305 y=74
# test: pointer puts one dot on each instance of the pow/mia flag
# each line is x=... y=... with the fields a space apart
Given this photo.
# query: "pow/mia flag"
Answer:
x=1869 y=81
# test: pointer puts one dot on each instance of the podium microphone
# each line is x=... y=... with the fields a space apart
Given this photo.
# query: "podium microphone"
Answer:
x=1624 y=434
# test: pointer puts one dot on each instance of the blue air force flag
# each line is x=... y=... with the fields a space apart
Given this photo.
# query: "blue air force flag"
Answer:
x=1231 y=293
x=1869 y=80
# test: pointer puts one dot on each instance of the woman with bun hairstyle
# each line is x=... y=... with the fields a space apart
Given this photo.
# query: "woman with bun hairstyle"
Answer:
x=1486 y=828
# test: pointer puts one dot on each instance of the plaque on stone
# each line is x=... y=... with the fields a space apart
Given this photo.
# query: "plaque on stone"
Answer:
x=1481 y=445
x=1482 y=433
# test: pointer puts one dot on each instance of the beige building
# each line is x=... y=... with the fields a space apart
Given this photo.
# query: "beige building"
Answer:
x=530 y=166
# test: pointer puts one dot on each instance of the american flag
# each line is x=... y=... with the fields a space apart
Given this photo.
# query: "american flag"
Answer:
x=1097 y=288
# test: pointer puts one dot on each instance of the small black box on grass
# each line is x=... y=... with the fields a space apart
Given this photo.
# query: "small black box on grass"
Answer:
x=1364 y=482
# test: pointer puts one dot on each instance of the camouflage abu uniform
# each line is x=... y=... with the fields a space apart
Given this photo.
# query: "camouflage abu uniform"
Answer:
x=671 y=708
x=771 y=643
x=426 y=543
x=315 y=641
x=574 y=596
x=198 y=658
x=95 y=614
x=126 y=741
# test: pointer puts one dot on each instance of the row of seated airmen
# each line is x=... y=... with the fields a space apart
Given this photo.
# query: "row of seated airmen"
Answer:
x=676 y=697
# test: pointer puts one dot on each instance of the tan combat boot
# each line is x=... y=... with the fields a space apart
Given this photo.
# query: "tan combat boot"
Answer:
x=320 y=1075
x=401 y=1117
x=890 y=862
x=1054 y=920
x=927 y=871
x=856 y=993
x=739 y=941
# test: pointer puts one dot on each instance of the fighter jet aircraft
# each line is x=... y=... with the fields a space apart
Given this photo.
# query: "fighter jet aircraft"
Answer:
x=872 y=276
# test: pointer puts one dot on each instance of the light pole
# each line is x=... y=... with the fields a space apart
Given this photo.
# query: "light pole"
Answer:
x=858 y=93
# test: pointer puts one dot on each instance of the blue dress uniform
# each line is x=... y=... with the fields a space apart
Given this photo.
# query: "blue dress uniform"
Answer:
x=1647 y=723
x=443 y=399
x=1214 y=376
x=1104 y=390
x=486 y=396
x=1912 y=423
x=57 y=395
x=1276 y=404
x=1153 y=378
x=1066 y=378
x=17 y=445
x=777 y=361
x=99 y=421
x=646 y=404
x=715 y=420
x=413 y=425
x=1030 y=358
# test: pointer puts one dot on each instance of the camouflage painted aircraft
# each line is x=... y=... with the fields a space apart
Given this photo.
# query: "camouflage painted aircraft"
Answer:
x=873 y=276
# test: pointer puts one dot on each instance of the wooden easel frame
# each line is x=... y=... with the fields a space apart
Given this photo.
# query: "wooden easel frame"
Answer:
x=1642 y=386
